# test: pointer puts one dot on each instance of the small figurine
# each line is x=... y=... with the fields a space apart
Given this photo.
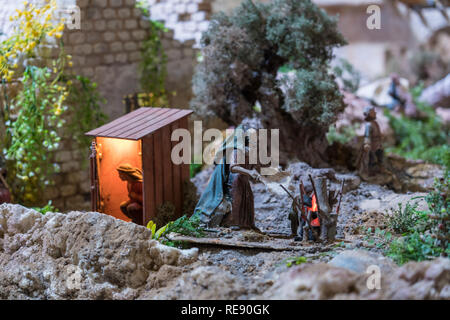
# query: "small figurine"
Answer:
x=372 y=154
x=402 y=100
x=228 y=199
x=132 y=208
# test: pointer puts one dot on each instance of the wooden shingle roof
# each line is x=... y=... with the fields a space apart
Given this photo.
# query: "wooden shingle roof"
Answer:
x=139 y=123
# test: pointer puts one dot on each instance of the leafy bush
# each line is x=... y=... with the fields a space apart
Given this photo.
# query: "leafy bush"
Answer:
x=426 y=234
x=403 y=220
x=345 y=135
x=348 y=75
x=295 y=261
x=47 y=208
x=35 y=117
x=439 y=207
x=84 y=95
x=426 y=138
x=185 y=226
x=415 y=247
x=274 y=56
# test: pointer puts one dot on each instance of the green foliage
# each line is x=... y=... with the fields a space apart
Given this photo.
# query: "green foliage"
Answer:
x=244 y=52
x=34 y=118
x=414 y=246
x=348 y=75
x=426 y=139
x=35 y=122
x=425 y=234
x=439 y=208
x=194 y=169
x=312 y=96
x=85 y=113
x=47 y=208
x=289 y=262
x=31 y=135
x=403 y=219
x=344 y=136
x=153 y=65
x=295 y=261
x=185 y=226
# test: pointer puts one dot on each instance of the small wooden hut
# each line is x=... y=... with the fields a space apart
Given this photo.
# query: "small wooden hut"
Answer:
x=141 y=138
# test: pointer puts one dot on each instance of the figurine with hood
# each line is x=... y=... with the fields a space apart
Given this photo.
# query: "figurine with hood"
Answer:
x=228 y=199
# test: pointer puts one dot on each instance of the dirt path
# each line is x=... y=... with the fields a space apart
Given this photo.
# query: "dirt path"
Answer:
x=363 y=205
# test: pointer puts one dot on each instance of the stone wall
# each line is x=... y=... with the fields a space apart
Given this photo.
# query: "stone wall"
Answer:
x=106 y=50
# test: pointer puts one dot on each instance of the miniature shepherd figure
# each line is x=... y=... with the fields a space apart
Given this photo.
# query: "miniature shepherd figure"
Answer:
x=372 y=155
x=132 y=208
x=402 y=100
x=228 y=198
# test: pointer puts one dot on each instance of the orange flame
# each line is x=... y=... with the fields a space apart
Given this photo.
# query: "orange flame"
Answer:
x=313 y=208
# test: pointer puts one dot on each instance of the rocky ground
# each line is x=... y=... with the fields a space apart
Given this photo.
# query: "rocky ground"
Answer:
x=81 y=255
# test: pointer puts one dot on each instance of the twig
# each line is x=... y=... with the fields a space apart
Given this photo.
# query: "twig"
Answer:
x=340 y=197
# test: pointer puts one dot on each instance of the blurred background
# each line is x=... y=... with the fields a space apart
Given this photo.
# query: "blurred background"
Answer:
x=130 y=53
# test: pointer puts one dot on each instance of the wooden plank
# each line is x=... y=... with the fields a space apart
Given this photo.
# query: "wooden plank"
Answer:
x=153 y=126
x=139 y=123
x=158 y=161
x=176 y=175
x=131 y=127
x=271 y=246
x=149 y=178
x=117 y=122
x=167 y=164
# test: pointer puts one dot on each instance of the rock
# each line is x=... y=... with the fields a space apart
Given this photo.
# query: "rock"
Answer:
x=351 y=181
x=205 y=282
x=359 y=261
x=78 y=255
x=370 y=205
x=312 y=281
x=325 y=281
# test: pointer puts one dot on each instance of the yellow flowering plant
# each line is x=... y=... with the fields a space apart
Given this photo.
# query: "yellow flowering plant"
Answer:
x=32 y=25
x=35 y=118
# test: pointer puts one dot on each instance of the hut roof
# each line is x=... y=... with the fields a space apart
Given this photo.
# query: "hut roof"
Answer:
x=139 y=123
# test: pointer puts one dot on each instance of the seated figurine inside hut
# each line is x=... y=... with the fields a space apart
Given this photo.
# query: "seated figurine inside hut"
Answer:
x=132 y=207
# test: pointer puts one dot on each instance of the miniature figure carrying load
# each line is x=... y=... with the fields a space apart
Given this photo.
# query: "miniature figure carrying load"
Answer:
x=402 y=100
x=371 y=164
x=228 y=198
x=132 y=208
x=371 y=157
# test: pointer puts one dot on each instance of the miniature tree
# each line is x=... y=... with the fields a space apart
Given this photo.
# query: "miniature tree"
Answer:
x=240 y=73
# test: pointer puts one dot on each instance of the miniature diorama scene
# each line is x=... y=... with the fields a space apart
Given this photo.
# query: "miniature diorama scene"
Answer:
x=225 y=150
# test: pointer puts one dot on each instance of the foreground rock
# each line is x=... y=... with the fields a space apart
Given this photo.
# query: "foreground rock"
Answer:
x=360 y=260
x=424 y=280
x=77 y=255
